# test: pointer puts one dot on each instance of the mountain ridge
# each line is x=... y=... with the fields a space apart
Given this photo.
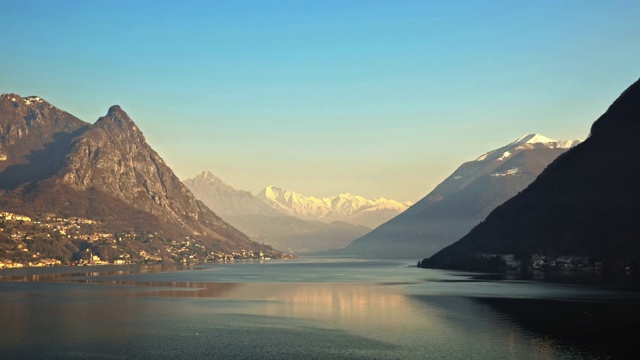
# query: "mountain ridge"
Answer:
x=345 y=207
x=461 y=201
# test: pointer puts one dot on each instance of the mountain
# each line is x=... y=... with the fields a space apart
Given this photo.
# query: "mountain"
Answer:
x=57 y=164
x=267 y=225
x=34 y=136
x=583 y=207
x=224 y=200
x=348 y=208
x=461 y=201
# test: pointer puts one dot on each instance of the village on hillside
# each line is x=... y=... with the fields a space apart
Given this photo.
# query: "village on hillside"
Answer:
x=50 y=240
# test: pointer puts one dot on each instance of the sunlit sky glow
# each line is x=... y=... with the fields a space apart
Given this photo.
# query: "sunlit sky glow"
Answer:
x=377 y=98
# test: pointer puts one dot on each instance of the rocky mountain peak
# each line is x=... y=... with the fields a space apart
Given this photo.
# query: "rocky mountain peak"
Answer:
x=33 y=137
x=206 y=182
x=208 y=176
x=28 y=109
x=8 y=96
x=19 y=100
x=119 y=128
x=116 y=111
x=25 y=108
x=116 y=114
x=116 y=118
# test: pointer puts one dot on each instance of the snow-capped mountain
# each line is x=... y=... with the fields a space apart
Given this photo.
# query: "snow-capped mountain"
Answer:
x=224 y=200
x=529 y=141
x=349 y=208
x=268 y=225
x=500 y=156
x=462 y=200
x=294 y=204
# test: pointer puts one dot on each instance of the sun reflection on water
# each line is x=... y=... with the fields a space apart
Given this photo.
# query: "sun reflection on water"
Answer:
x=113 y=310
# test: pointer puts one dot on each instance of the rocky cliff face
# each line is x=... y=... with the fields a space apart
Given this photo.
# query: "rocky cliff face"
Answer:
x=584 y=204
x=108 y=172
x=34 y=136
x=113 y=157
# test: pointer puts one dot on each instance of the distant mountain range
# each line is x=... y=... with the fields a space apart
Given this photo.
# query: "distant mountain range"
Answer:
x=348 y=208
x=54 y=164
x=583 y=207
x=225 y=200
x=461 y=201
x=266 y=224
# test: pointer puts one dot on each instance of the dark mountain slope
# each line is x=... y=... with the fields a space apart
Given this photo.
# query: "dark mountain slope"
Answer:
x=586 y=203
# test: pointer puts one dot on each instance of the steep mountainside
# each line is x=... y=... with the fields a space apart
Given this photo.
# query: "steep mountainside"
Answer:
x=34 y=136
x=267 y=225
x=461 y=201
x=585 y=204
x=348 y=208
x=107 y=172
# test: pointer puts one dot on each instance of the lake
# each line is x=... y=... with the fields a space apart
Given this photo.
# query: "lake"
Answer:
x=310 y=308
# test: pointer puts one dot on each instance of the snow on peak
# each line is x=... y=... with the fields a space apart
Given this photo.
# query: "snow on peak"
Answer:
x=528 y=141
x=272 y=192
x=33 y=100
x=327 y=208
x=28 y=100
x=541 y=139
x=533 y=139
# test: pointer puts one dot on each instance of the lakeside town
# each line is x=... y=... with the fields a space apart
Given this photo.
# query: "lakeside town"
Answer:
x=50 y=240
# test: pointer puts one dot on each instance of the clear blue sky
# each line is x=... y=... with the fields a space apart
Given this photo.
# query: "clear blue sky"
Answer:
x=378 y=98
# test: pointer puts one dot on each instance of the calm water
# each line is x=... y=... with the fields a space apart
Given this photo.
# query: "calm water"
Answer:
x=307 y=309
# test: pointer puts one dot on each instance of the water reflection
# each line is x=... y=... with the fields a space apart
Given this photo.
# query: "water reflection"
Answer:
x=70 y=272
x=604 y=328
x=108 y=313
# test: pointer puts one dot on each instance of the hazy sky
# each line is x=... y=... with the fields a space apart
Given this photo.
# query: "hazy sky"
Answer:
x=377 y=98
